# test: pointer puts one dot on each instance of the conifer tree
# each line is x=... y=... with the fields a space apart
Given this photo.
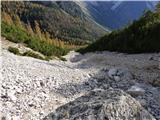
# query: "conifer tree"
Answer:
x=18 y=22
x=47 y=35
x=29 y=29
x=38 y=30
x=7 y=18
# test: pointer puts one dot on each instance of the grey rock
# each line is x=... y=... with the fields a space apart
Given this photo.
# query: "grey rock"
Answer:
x=136 y=90
x=102 y=105
x=112 y=72
x=118 y=74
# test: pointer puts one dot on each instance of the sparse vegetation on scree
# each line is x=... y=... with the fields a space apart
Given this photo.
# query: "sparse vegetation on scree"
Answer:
x=32 y=54
x=14 y=50
x=141 y=36
x=27 y=53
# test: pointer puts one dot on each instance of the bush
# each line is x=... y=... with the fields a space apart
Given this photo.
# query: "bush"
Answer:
x=14 y=50
x=45 y=48
x=14 y=33
x=32 y=54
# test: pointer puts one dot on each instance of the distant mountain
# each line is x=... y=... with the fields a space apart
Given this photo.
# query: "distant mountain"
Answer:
x=62 y=19
x=116 y=14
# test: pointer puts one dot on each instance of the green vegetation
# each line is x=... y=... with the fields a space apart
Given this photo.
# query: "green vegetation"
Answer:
x=141 y=36
x=14 y=50
x=29 y=53
x=22 y=23
x=62 y=58
x=19 y=35
x=56 y=18
x=32 y=54
x=13 y=33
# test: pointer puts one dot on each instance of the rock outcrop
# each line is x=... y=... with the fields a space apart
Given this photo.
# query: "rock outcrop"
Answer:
x=102 y=105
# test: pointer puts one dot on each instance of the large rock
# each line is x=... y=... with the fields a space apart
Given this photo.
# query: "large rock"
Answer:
x=102 y=105
x=136 y=90
x=119 y=74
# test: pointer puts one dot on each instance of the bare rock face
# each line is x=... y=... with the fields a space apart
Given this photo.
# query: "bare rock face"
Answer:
x=102 y=105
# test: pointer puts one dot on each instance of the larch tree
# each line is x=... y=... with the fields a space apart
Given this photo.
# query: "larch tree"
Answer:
x=38 y=29
x=7 y=18
x=18 y=22
x=29 y=29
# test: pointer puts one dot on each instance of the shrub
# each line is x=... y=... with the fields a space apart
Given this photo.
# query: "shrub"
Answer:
x=32 y=54
x=14 y=50
x=14 y=33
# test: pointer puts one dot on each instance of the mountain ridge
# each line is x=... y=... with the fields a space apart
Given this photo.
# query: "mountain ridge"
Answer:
x=116 y=14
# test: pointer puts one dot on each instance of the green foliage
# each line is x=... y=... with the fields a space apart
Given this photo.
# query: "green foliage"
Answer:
x=57 y=18
x=45 y=48
x=13 y=33
x=14 y=50
x=141 y=36
x=32 y=54
x=18 y=35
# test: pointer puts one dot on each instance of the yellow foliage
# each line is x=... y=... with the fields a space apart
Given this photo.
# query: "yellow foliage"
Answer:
x=38 y=29
x=7 y=18
x=29 y=29
x=18 y=21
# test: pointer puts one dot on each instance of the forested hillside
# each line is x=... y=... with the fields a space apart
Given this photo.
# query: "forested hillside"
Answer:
x=62 y=20
x=15 y=31
x=142 y=35
x=50 y=28
x=13 y=28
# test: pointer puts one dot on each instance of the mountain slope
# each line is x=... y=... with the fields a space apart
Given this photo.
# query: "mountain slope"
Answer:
x=39 y=87
x=141 y=36
x=116 y=14
x=63 y=20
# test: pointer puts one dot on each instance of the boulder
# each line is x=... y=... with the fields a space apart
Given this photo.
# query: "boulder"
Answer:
x=102 y=105
x=136 y=90
x=118 y=74
x=112 y=72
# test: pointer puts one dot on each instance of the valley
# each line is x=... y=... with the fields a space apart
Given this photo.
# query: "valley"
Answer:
x=80 y=60
x=32 y=88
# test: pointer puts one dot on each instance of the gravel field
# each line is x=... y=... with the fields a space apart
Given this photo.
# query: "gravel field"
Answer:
x=33 y=88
